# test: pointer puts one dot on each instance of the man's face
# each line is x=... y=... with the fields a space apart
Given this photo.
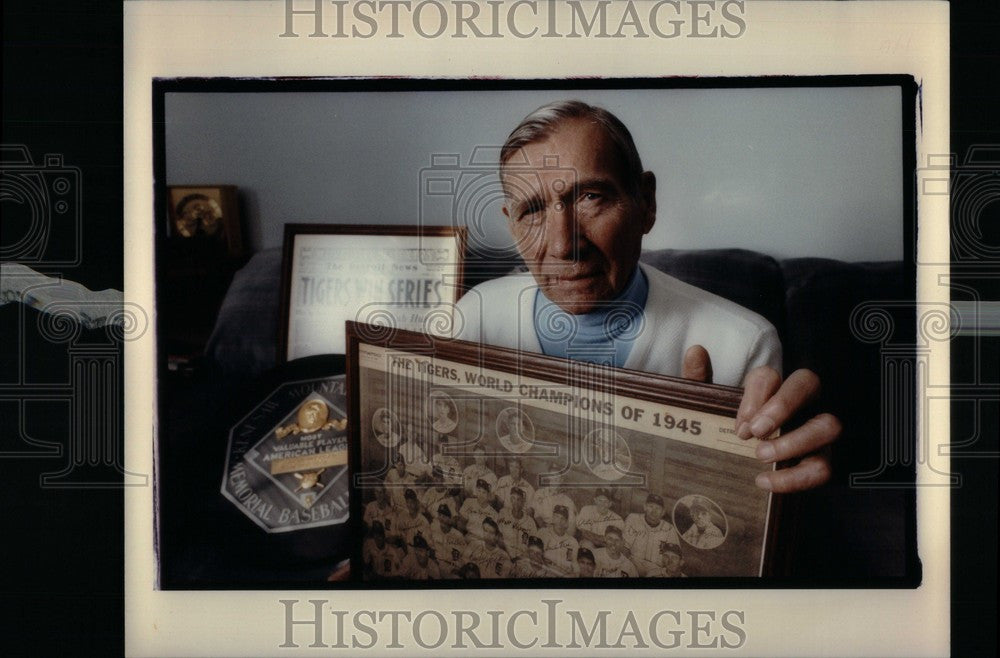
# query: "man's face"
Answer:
x=422 y=556
x=445 y=521
x=602 y=503
x=489 y=536
x=586 y=567
x=613 y=543
x=577 y=226
x=654 y=513
x=671 y=561
x=516 y=504
x=515 y=471
x=412 y=506
x=535 y=554
x=560 y=524
x=702 y=519
x=482 y=496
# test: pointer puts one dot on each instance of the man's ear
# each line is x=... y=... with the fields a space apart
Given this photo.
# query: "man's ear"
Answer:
x=647 y=194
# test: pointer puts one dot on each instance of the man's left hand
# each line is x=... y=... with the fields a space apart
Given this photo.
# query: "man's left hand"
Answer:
x=767 y=404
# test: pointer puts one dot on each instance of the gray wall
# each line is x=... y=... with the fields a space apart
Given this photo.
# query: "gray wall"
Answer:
x=788 y=172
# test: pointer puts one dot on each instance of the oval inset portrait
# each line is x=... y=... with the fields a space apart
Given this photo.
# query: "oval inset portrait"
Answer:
x=701 y=522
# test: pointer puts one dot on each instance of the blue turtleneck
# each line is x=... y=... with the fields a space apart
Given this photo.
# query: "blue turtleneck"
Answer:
x=603 y=336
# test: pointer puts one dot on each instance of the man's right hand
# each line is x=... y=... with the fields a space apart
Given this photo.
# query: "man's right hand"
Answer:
x=768 y=402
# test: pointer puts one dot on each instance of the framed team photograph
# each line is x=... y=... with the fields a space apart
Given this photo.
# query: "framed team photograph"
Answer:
x=472 y=463
x=405 y=276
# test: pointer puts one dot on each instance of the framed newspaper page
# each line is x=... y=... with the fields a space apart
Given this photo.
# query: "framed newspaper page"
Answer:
x=481 y=463
x=407 y=276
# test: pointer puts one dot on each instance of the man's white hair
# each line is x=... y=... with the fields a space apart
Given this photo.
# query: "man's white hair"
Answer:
x=546 y=119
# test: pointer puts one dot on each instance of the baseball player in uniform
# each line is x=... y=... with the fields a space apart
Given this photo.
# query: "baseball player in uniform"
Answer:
x=546 y=498
x=516 y=526
x=532 y=565
x=593 y=519
x=418 y=564
x=514 y=478
x=560 y=546
x=474 y=510
x=671 y=563
x=611 y=561
x=379 y=509
x=381 y=558
x=448 y=543
x=644 y=533
x=411 y=521
x=397 y=480
x=585 y=563
x=702 y=533
x=478 y=471
x=486 y=554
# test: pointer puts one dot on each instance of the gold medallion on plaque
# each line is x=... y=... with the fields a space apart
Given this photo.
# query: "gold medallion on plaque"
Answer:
x=306 y=451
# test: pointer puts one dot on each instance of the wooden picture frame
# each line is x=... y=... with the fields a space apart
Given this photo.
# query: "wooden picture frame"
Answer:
x=405 y=276
x=638 y=439
x=205 y=213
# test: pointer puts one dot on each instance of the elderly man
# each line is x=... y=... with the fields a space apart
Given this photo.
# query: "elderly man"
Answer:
x=578 y=204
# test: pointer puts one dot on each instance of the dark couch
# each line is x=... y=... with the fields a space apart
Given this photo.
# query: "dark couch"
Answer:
x=830 y=316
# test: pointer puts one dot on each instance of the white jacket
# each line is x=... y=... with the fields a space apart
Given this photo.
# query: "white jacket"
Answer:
x=677 y=315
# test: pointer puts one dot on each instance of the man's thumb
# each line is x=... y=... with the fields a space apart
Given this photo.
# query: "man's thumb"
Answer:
x=697 y=365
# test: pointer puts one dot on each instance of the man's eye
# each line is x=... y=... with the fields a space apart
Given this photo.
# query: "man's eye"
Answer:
x=531 y=215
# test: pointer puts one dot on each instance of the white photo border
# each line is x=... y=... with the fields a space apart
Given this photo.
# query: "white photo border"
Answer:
x=169 y=39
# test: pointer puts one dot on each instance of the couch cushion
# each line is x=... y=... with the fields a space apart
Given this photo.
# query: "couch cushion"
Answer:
x=820 y=298
x=245 y=338
x=751 y=279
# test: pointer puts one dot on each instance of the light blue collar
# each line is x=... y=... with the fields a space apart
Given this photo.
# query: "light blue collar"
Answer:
x=604 y=336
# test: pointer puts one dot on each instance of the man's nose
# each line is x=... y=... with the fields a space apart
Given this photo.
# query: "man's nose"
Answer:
x=562 y=234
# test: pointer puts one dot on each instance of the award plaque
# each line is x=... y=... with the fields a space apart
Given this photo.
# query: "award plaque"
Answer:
x=287 y=463
x=557 y=469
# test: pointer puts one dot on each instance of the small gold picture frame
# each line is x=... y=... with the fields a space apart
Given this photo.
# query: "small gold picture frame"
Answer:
x=207 y=213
